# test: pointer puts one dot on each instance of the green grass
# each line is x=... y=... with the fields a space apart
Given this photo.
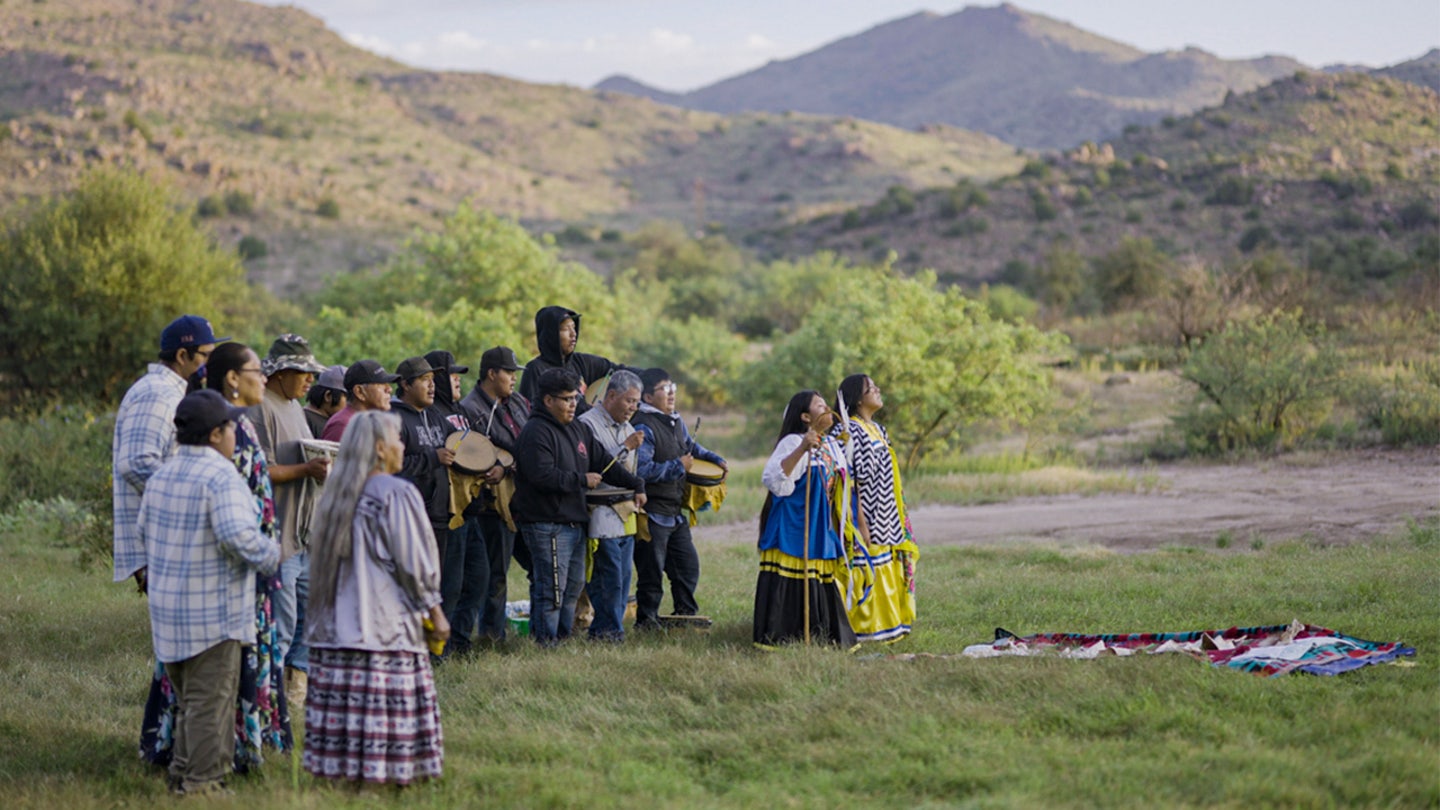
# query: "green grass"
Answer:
x=703 y=720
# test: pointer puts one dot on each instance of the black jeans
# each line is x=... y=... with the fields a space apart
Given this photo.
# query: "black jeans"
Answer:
x=499 y=546
x=670 y=552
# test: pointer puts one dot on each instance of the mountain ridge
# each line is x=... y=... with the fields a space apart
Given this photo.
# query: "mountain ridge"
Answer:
x=1026 y=78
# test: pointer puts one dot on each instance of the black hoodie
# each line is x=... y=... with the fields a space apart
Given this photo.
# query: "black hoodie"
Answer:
x=422 y=432
x=590 y=367
x=445 y=403
x=551 y=462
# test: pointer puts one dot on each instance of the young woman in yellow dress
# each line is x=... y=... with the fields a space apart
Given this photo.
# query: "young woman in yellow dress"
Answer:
x=889 y=612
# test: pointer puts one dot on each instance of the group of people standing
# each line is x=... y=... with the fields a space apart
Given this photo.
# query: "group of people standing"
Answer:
x=837 y=555
x=275 y=576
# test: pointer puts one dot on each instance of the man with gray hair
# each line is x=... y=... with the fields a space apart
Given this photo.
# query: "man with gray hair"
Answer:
x=612 y=525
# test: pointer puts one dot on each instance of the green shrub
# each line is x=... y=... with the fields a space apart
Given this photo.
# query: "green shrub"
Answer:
x=87 y=281
x=1264 y=383
x=211 y=206
x=1407 y=410
x=252 y=247
x=1256 y=236
x=328 y=208
x=239 y=203
x=1232 y=190
x=55 y=474
x=1045 y=209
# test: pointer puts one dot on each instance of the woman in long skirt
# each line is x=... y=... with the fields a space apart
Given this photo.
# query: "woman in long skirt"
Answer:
x=371 y=714
x=262 y=718
x=802 y=476
x=889 y=611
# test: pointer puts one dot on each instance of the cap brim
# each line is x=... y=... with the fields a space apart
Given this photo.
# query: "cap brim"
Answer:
x=459 y=369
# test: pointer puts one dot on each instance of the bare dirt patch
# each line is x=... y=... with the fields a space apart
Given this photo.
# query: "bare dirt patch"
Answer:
x=1331 y=498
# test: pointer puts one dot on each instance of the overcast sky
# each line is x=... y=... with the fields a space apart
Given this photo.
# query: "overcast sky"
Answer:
x=685 y=44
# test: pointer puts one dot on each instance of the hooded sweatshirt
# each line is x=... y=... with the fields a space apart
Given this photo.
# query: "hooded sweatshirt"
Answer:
x=590 y=367
x=422 y=432
x=445 y=403
x=551 y=463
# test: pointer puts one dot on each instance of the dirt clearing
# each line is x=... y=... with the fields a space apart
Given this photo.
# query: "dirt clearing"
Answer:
x=1331 y=498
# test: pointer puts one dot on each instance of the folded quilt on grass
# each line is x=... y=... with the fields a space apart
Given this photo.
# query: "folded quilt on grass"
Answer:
x=1271 y=650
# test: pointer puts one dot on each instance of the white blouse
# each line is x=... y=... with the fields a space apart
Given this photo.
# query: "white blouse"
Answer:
x=778 y=482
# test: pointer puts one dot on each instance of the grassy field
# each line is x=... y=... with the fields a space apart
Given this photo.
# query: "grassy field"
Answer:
x=703 y=720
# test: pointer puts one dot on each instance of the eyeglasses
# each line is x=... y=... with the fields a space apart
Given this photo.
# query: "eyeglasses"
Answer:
x=571 y=398
x=666 y=388
x=259 y=371
x=203 y=355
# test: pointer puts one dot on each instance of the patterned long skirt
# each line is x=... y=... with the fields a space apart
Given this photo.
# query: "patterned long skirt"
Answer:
x=372 y=716
x=262 y=718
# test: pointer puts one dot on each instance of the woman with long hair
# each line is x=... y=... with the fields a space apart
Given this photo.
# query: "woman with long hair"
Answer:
x=803 y=477
x=371 y=713
x=889 y=612
x=262 y=718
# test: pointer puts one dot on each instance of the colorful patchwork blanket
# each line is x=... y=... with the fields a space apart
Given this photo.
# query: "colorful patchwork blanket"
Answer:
x=1272 y=650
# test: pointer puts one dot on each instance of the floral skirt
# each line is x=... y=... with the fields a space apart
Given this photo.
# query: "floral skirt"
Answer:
x=372 y=716
x=262 y=718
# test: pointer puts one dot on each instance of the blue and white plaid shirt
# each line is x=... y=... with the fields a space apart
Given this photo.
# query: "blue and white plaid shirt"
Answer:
x=201 y=533
x=144 y=438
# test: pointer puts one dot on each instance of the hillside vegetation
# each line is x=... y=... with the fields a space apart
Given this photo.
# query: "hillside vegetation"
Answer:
x=1336 y=172
x=325 y=155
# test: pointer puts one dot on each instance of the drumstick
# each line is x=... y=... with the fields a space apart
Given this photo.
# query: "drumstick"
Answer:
x=614 y=459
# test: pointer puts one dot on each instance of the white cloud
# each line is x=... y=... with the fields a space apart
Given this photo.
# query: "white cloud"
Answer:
x=670 y=42
x=760 y=42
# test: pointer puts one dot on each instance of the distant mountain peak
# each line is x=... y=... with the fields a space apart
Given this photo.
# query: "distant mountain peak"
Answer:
x=1026 y=78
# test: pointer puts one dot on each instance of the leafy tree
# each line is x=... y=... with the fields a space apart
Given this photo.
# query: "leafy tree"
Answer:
x=703 y=277
x=1262 y=383
x=1132 y=272
x=940 y=357
x=88 y=281
x=1059 y=278
x=498 y=269
x=699 y=353
x=406 y=330
x=786 y=291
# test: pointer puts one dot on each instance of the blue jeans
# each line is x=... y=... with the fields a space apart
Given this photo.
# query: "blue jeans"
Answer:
x=610 y=586
x=557 y=551
x=464 y=615
x=290 y=611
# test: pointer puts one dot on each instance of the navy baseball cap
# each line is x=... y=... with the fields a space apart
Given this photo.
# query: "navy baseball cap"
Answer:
x=187 y=332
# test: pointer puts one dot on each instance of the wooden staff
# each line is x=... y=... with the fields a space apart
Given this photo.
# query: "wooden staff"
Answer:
x=805 y=586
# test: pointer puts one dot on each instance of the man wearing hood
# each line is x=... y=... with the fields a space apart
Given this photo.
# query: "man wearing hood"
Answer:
x=558 y=461
x=557 y=333
x=423 y=429
x=665 y=457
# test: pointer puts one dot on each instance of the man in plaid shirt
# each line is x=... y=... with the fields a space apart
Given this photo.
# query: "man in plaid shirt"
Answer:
x=145 y=432
x=201 y=536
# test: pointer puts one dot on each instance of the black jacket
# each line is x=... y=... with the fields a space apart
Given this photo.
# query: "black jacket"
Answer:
x=550 y=470
x=590 y=367
x=477 y=408
x=422 y=432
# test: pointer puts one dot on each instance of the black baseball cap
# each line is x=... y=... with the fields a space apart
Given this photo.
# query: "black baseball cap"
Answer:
x=412 y=367
x=501 y=357
x=363 y=372
x=202 y=411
